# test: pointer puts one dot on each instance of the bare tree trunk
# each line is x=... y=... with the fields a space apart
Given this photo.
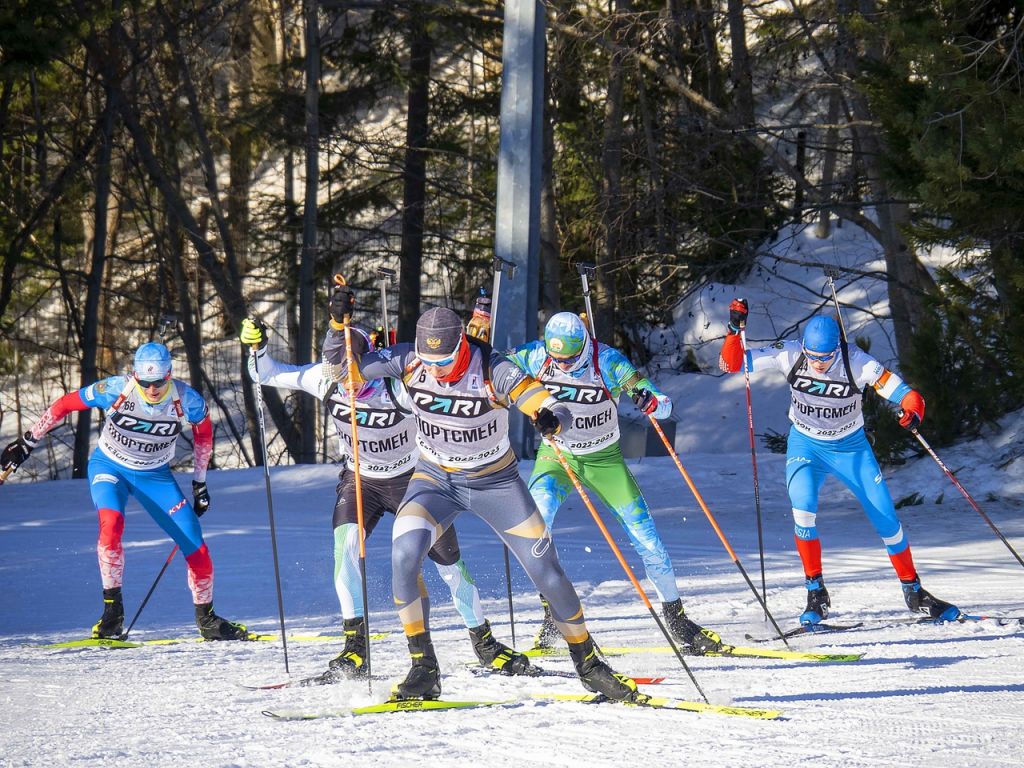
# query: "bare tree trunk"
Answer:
x=742 y=79
x=909 y=283
x=94 y=283
x=550 y=252
x=828 y=169
x=415 y=173
x=305 y=413
x=611 y=187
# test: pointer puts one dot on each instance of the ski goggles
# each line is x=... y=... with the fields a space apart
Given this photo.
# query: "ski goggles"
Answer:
x=819 y=357
x=568 y=362
x=444 y=360
x=147 y=383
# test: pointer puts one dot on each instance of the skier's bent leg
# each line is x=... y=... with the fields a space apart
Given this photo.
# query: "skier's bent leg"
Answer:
x=109 y=549
x=347 y=582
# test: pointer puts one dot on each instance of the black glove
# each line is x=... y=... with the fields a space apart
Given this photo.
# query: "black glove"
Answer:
x=343 y=301
x=738 y=311
x=645 y=400
x=545 y=422
x=200 y=498
x=16 y=453
x=254 y=332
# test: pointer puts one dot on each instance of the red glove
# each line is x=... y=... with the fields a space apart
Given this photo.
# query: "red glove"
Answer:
x=911 y=410
x=738 y=311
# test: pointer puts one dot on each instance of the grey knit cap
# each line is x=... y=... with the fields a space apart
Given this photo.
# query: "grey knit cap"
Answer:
x=438 y=332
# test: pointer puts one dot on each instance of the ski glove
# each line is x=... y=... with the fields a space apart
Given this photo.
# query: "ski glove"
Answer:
x=254 y=332
x=738 y=311
x=645 y=400
x=911 y=410
x=16 y=453
x=343 y=301
x=200 y=498
x=545 y=422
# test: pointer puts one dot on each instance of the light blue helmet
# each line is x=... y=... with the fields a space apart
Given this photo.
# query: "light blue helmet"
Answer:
x=821 y=335
x=152 y=362
x=566 y=335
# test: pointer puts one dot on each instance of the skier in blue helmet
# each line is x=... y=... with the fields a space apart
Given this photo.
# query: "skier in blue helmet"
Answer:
x=827 y=379
x=146 y=412
x=590 y=377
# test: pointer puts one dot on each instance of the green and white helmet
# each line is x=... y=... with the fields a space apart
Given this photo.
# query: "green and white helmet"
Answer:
x=566 y=337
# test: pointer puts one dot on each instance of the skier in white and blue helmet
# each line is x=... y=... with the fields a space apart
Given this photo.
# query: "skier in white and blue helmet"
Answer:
x=145 y=414
x=827 y=379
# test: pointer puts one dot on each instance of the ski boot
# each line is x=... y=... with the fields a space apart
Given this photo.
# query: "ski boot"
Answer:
x=922 y=601
x=111 y=623
x=597 y=676
x=818 y=602
x=695 y=639
x=350 y=664
x=548 y=633
x=213 y=627
x=424 y=679
x=495 y=655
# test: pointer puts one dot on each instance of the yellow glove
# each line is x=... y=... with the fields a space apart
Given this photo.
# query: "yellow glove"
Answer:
x=254 y=333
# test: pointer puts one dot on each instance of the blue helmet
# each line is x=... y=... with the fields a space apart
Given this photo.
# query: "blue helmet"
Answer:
x=821 y=335
x=152 y=362
x=565 y=335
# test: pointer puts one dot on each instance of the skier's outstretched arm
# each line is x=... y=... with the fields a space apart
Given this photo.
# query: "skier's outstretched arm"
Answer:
x=309 y=378
x=16 y=453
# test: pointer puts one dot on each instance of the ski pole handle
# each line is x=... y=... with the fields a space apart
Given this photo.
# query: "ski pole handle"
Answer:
x=831 y=273
x=339 y=280
x=586 y=272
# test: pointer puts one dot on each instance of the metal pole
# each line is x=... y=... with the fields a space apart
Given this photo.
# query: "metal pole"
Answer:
x=270 y=503
x=386 y=277
x=753 y=464
x=500 y=265
x=353 y=420
x=167 y=562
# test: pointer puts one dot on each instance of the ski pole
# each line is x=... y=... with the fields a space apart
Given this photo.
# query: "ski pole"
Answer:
x=831 y=273
x=500 y=265
x=353 y=420
x=167 y=562
x=5 y=474
x=270 y=503
x=386 y=277
x=586 y=272
x=622 y=561
x=963 y=490
x=714 y=524
x=753 y=463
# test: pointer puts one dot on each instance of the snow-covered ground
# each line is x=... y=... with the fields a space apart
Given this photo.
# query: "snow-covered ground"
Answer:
x=922 y=694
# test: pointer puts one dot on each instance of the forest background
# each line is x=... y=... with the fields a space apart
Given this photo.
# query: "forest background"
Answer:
x=170 y=167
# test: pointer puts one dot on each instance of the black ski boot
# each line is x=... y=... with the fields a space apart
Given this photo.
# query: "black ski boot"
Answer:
x=424 y=679
x=922 y=601
x=350 y=664
x=213 y=627
x=111 y=623
x=597 y=676
x=818 y=602
x=548 y=633
x=695 y=639
x=495 y=655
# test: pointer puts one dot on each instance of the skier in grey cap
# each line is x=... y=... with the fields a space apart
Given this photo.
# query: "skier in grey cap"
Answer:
x=461 y=391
